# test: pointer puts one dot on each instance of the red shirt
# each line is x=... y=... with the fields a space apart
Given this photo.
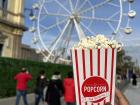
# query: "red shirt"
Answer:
x=22 y=79
x=69 y=90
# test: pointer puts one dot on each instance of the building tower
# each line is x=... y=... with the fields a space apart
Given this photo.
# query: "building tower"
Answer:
x=11 y=27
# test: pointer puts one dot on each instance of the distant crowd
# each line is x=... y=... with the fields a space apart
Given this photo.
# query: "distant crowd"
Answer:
x=49 y=91
x=52 y=91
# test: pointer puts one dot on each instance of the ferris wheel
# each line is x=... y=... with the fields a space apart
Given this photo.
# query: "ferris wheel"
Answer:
x=58 y=24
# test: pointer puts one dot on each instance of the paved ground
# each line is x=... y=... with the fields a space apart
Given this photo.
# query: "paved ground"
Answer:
x=133 y=94
x=11 y=101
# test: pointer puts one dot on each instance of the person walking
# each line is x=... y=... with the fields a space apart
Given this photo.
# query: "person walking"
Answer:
x=134 y=79
x=59 y=82
x=41 y=83
x=21 y=88
x=69 y=89
x=55 y=90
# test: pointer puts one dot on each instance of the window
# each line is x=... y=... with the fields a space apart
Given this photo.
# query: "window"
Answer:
x=3 y=6
x=1 y=47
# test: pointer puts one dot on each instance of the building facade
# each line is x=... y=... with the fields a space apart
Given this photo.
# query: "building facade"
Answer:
x=29 y=53
x=11 y=30
x=11 y=27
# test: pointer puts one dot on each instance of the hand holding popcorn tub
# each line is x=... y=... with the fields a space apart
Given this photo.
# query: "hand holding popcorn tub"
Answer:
x=94 y=67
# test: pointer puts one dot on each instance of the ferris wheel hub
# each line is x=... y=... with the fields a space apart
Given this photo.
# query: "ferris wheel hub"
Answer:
x=76 y=17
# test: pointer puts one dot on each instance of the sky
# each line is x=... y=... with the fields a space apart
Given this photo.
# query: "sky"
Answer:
x=128 y=40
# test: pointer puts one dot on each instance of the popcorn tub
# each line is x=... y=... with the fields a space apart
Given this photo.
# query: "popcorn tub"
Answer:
x=94 y=75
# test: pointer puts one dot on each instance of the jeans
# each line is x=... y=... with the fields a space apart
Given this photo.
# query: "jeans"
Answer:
x=69 y=103
x=23 y=94
x=38 y=97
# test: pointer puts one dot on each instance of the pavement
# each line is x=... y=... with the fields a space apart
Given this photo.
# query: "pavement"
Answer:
x=30 y=97
x=132 y=93
x=11 y=100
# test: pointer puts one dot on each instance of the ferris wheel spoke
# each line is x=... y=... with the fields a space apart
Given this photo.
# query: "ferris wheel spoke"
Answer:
x=98 y=19
x=80 y=32
x=77 y=2
x=42 y=18
x=90 y=25
x=42 y=52
x=115 y=5
x=44 y=27
x=129 y=6
x=86 y=10
x=54 y=25
x=53 y=47
x=71 y=6
x=93 y=33
x=48 y=1
x=46 y=11
x=125 y=14
x=53 y=14
x=116 y=13
x=95 y=6
x=70 y=30
x=82 y=5
x=62 y=6
x=65 y=40
x=57 y=21
x=58 y=14
x=128 y=22
x=111 y=26
x=89 y=2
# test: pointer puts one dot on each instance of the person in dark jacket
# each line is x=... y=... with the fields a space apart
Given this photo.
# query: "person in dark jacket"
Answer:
x=69 y=89
x=55 y=90
x=134 y=81
x=59 y=82
x=41 y=82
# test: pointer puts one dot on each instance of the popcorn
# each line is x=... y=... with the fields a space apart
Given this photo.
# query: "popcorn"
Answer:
x=98 y=42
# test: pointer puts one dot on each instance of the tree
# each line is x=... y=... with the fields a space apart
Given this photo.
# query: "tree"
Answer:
x=124 y=62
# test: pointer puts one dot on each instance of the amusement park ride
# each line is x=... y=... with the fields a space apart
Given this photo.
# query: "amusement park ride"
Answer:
x=58 y=24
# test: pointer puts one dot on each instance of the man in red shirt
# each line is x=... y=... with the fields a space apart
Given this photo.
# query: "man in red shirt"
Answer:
x=22 y=78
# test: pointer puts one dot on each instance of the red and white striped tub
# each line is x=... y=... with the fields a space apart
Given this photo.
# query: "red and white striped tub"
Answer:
x=94 y=75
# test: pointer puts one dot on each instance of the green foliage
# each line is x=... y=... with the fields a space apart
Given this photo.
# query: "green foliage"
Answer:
x=124 y=62
x=10 y=67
